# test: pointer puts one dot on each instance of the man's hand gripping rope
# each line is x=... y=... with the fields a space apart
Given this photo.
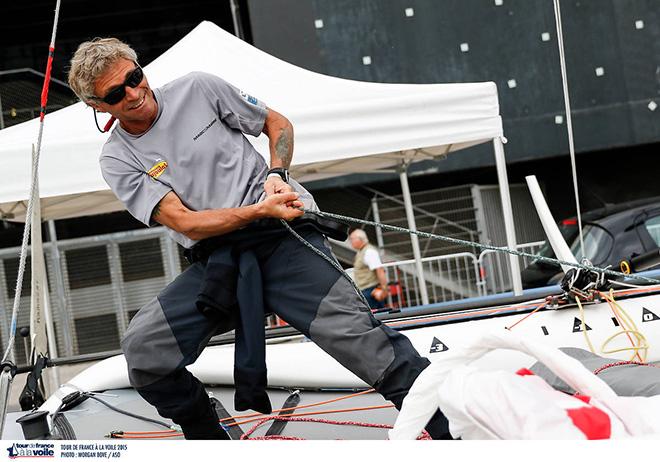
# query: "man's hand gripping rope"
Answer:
x=283 y=205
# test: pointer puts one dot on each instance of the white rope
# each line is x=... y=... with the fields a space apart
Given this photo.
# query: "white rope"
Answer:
x=569 y=119
x=28 y=215
x=56 y=20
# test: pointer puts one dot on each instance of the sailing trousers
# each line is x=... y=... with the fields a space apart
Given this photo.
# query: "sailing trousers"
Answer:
x=169 y=333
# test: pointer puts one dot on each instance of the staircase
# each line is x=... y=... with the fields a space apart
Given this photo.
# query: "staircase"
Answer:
x=447 y=211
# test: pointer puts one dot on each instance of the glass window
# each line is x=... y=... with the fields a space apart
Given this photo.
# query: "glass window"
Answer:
x=653 y=227
x=568 y=232
x=597 y=242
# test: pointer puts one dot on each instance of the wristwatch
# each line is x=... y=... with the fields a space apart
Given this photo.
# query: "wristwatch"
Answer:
x=281 y=172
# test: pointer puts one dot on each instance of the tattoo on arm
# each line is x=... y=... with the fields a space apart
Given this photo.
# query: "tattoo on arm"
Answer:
x=156 y=211
x=284 y=146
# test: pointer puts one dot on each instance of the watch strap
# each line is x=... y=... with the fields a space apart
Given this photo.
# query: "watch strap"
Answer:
x=282 y=172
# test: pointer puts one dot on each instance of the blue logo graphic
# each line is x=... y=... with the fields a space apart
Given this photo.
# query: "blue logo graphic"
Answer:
x=249 y=98
x=13 y=452
x=31 y=450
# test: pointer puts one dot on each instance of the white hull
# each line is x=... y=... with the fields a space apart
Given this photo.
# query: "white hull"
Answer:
x=302 y=364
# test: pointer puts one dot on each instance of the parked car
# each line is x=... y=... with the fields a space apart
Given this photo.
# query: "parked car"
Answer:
x=611 y=234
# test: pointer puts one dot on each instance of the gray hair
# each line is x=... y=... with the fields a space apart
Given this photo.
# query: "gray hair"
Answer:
x=360 y=234
x=92 y=59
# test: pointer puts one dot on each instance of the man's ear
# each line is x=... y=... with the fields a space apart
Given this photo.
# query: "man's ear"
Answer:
x=94 y=105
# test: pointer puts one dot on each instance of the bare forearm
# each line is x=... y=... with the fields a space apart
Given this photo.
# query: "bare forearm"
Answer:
x=382 y=277
x=208 y=223
x=197 y=225
x=280 y=135
x=281 y=148
x=201 y=224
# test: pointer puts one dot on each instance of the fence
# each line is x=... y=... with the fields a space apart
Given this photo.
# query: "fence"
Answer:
x=448 y=277
x=453 y=277
x=495 y=268
x=97 y=284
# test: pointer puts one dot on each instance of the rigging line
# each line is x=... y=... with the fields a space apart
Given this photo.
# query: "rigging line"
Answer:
x=303 y=406
x=258 y=414
x=624 y=329
x=246 y=436
x=522 y=319
x=621 y=363
x=33 y=187
x=628 y=327
x=303 y=414
x=569 y=119
x=481 y=246
x=336 y=265
x=130 y=414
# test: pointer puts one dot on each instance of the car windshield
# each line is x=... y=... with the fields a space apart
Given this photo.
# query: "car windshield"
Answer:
x=597 y=243
x=653 y=227
x=568 y=231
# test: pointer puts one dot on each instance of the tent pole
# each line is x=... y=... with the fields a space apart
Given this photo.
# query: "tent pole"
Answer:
x=379 y=232
x=2 y=117
x=403 y=176
x=236 y=18
x=507 y=211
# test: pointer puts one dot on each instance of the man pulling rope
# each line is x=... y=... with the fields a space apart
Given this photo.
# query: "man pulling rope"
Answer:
x=179 y=157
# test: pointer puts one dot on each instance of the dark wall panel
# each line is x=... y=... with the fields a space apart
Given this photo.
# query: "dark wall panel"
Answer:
x=150 y=26
x=505 y=43
x=285 y=28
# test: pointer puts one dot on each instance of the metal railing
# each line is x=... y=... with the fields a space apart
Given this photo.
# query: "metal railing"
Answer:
x=449 y=211
x=448 y=277
x=495 y=274
x=452 y=277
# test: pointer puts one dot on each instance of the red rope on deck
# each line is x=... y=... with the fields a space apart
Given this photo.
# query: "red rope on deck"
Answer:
x=246 y=435
x=621 y=363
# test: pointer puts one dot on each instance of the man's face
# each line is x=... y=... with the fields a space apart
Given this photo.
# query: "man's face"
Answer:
x=356 y=242
x=138 y=105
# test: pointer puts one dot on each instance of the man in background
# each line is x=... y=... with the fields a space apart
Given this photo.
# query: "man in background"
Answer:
x=368 y=270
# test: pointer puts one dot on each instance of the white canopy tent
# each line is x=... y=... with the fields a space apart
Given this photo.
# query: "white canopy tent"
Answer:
x=341 y=126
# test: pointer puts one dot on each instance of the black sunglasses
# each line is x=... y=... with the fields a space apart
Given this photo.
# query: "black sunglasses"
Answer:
x=132 y=80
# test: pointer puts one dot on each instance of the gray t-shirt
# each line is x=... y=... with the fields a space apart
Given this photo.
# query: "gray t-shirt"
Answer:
x=195 y=148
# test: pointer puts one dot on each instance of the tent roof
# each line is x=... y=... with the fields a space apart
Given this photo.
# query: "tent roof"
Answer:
x=341 y=126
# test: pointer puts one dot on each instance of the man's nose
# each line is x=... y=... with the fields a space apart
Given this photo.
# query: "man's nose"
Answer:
x=132 y=93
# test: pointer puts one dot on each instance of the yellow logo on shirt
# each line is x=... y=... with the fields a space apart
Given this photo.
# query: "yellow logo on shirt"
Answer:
x=157 y=170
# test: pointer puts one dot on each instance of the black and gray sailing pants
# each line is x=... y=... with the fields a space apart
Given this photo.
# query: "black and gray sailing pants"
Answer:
x=299 y=286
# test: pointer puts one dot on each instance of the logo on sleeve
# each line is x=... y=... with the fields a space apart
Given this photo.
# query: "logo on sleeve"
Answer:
x=157 y=170
x=250 y=99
